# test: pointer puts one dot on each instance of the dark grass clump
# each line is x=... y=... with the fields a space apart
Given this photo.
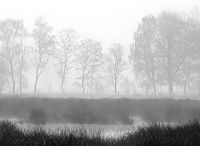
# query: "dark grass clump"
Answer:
x=185 y=134
x=12 y=135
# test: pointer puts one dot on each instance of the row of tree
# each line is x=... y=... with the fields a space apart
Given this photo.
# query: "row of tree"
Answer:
x=21 y=52
x=166 y=52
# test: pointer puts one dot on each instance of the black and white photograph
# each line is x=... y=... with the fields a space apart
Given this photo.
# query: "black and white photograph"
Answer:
x=100 y=73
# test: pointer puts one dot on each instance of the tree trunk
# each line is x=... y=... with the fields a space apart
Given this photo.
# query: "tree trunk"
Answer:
x=185 y=83
x=13 y=78
x=35 y=85
x=63 y=79
x=83 y=81
x=154 y=84
x=170 y=87
x=147 y=89
x=83 y=86
x=154 y=89
x=20 y=83
x=169 y=68
x=115 y=86
x=170 y=81
x=91 y=84
x=62 y=86
x=36 y=80
x=184 y=89
x=13 y=88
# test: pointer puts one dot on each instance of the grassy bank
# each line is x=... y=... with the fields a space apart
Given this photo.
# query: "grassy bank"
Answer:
x=187 y=134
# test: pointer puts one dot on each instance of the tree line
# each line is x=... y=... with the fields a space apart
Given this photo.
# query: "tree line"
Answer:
x=21 y=51
x=164 y=53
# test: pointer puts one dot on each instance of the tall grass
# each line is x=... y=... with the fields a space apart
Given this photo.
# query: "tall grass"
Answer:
x=187 y=134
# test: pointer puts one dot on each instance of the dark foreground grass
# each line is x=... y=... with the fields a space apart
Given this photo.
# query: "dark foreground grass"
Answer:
x=187 y=134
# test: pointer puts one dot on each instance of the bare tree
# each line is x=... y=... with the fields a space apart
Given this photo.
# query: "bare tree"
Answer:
x=3 y=74
x=9 y=35
x=22 y=62
x=88 y=61
x=44 y=42
x=114 y=65
x=64 y=54
x=95 y=65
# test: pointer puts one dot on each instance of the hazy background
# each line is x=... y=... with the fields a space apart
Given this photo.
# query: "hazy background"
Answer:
x=146 y=49
x=107 y=21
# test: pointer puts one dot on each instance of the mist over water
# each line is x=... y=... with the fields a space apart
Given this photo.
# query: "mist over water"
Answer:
x=107 y=66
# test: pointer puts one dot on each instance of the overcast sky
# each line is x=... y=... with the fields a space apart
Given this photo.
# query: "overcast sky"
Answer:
x=107 y=21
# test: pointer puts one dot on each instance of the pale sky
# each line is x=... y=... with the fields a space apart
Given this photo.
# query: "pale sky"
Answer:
x=107 y=21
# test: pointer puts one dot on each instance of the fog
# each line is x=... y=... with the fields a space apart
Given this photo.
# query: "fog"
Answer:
x=113 y=65
x=44 y=46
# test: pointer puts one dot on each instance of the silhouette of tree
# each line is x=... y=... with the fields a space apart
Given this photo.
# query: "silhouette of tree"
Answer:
x=64 y=54
x=10 y=37
x=3 y=74
x=43 y=44
x=88 y=62
x=114 y=65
